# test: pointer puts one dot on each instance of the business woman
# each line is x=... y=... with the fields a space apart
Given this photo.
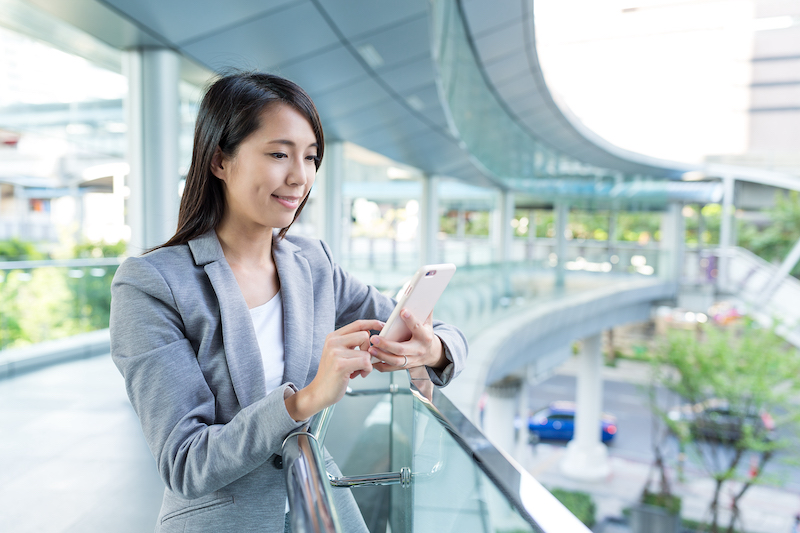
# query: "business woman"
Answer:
x=233 y=334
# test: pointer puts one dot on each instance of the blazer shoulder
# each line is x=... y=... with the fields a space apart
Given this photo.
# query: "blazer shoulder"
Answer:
x=164 y=261
x=314 y=250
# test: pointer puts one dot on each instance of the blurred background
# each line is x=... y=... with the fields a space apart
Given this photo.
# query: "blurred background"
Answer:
x=603 y=174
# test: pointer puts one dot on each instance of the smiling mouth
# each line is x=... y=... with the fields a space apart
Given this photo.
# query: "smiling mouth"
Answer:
x=288 y=201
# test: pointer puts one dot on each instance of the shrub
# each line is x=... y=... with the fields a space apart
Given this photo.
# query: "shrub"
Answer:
x=579 y=503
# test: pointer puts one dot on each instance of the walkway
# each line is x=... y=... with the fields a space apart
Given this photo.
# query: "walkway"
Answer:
x=72 y=456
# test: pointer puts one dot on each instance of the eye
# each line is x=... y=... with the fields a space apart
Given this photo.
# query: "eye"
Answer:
x=313 y=158
x=279 y=155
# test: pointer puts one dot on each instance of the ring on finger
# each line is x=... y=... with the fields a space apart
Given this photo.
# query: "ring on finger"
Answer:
x=405 y=362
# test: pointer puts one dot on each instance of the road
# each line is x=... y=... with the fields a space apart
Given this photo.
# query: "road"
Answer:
x=629 y=403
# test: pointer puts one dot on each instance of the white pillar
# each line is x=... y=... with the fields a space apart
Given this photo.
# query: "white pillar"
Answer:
x=502 y=402
x=505 y=233
x=726 y=230
x=530 y=242
x=331 y=192
x=562 y=216
x=153 y=117
x=429 y=221
x=586 y=457
x=673 y=240
x=613 y=219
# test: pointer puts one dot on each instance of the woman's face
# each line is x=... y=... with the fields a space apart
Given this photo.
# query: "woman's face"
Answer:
x=271 y=172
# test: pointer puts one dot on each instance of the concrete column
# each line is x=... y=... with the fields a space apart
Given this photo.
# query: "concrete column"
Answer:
x=613 y=219
x=331 y=192
x=502 y=402
x=726 y=230
x=586 y=457
x=673 y=242
x=562 y=217
x=461 y=224
x=429 y=221
x=152 y=109
x=505 y=233
x=530 y=243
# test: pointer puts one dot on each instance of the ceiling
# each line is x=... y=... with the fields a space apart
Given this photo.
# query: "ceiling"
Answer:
x=368 y=66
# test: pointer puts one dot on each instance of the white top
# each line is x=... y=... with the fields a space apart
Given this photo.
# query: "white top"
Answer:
x=268 y=323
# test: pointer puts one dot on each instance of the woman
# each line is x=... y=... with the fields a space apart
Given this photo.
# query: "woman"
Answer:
x=232 y=335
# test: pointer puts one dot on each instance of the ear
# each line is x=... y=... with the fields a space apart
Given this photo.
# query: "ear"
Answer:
x=219 y=164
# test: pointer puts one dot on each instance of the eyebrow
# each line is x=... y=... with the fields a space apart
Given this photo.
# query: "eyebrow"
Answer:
x=290 y=143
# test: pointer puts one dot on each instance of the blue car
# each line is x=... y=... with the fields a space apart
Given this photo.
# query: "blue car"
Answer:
x=557 y=422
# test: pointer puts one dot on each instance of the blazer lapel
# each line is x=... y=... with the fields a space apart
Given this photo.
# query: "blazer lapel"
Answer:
x=238 y=336
x=297 y=294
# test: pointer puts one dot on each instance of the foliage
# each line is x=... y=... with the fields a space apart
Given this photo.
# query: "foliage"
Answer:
x=47 y=303
x=749 y=370
x=579 y=503
x=712 y=221
x=669 y=502
x=17 y=250
x=476 y=223
x=773 y=241
x=97 y=250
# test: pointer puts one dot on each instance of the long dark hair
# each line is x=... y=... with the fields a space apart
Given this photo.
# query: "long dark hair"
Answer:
x=230 y=111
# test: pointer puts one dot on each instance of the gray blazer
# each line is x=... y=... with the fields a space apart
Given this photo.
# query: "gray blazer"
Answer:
x=183 y=339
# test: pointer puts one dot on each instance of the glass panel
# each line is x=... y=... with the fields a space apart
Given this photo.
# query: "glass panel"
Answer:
x=450 y=491
x=401 y=512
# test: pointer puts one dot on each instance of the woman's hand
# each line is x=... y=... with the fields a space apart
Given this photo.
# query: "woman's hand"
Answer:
x=422 y=349
x=344 y=357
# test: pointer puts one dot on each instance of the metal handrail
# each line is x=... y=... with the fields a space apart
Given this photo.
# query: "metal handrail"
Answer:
x=74 y=263
x=311 y=506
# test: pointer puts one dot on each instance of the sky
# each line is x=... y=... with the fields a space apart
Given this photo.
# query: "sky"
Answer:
x=663 y=78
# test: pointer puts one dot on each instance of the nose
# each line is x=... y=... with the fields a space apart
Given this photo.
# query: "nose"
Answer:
x=298 y=173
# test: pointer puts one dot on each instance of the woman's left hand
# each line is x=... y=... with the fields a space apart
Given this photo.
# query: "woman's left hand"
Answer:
x=424 y=348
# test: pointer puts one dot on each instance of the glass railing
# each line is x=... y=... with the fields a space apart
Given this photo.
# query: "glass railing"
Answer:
x=46 y=300
x=415 y=463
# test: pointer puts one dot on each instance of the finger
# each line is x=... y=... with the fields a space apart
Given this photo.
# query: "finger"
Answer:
x=384 y=367
x=389 y=358
x=349 y=340
x=350 y=361
x=382 y=344
x=361 y=325
x=416 y=327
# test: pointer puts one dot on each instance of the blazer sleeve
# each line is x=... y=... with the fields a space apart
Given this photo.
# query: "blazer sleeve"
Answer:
x=176 y=408
x=356 y=300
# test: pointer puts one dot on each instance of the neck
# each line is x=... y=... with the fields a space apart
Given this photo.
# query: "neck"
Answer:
x=246 y=246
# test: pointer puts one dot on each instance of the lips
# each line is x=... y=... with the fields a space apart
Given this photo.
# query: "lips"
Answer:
x=290 y=202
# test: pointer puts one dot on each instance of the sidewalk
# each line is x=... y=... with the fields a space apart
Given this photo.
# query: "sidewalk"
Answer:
x=764 y=509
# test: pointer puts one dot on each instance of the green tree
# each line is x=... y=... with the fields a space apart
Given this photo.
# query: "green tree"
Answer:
x=17 y=250
x=728 y=377
x=773 y=241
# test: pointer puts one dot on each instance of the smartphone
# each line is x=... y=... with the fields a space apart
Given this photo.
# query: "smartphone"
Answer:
x=418 y=296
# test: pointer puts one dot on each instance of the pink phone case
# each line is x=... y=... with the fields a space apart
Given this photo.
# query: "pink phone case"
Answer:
x=419 y=297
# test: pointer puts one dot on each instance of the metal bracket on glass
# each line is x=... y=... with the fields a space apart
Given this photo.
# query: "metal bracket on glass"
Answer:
x=403 y=478
x=394 y=388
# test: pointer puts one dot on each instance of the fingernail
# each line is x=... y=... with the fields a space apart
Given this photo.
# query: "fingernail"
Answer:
x=406 y=314
x=376 y=340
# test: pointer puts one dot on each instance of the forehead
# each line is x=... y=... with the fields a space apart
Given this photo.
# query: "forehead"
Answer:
x=281 y=121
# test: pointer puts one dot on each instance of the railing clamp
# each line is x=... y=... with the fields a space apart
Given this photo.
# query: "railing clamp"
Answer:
x=405 y=477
